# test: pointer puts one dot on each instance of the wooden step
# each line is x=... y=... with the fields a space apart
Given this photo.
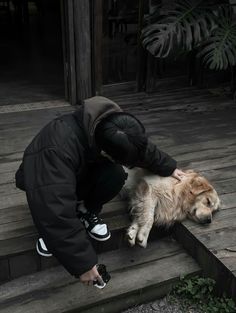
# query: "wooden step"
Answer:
x=18 y=234
x=17 y=239
x=137 y=275
x=213 y=246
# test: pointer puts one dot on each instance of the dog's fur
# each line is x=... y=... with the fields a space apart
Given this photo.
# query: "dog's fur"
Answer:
x=165 y=200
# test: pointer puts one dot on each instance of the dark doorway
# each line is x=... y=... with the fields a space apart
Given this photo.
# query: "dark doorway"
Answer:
x=119 y=43
x=31 y=56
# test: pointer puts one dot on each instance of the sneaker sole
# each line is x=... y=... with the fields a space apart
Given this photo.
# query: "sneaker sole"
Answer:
x=41 y=253
x=99 y=239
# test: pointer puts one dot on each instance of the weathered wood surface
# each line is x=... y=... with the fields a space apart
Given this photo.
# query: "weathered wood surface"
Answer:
x=197 y=128
x=199 y=131
x=82 y=35
x=136 y=278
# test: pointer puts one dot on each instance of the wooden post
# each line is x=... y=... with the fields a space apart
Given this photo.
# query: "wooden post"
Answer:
x=97 y=33
x=68 y=50
x=64 y=47
x=82 y=33
x=76 y=29
x=70 y=66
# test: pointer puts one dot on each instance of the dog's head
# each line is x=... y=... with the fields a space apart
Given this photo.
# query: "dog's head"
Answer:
x=203 y=199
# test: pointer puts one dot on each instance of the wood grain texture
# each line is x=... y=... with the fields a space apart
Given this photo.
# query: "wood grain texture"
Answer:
x=56 y=291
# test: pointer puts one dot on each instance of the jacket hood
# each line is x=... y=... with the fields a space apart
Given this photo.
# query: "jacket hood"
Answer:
x=94 y=110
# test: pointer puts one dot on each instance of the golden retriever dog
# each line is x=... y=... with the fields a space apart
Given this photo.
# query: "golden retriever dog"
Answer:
x=165 y=200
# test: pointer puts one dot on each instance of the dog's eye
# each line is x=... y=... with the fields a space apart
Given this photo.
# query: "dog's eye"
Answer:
x=194 y=210
x=208 y=202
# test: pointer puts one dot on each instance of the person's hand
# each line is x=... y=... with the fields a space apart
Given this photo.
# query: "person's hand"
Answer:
x=178 y=174
x=90 y=276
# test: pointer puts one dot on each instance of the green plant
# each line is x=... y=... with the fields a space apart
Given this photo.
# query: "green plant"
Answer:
x=193 y=25
x=219 y=50
x=201 y=291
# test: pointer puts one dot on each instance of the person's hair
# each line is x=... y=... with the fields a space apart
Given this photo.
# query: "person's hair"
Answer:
x=122 y=136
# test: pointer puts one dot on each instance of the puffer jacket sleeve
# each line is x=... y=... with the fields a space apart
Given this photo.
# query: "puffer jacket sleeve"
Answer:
x=157 y=161
x=50 y=183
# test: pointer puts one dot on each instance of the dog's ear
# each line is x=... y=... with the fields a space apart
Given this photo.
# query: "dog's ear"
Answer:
x=199 y=185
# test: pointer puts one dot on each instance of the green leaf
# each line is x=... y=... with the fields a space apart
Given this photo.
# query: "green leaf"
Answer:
x=185 y=26
x=219 y=51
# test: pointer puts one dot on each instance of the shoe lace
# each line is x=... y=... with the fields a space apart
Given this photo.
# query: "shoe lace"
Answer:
x=94 y=218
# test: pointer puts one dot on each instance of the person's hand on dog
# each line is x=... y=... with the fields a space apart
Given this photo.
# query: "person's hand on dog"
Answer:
x=178 y=174
x=90 y=276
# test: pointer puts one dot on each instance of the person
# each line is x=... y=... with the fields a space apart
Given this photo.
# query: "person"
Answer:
x=72 y=167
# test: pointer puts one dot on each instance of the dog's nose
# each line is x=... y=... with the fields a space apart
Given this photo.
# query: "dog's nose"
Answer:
x=208 y=220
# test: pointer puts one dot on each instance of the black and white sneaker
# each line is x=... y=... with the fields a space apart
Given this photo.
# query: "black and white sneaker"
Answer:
x=94 y=225
x=41 y=248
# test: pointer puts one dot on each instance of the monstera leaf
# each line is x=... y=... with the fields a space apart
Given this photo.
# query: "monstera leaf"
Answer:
x=219 y=51
x=186 y=25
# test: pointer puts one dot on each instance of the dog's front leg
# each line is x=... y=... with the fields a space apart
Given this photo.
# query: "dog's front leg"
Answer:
x=142 y=212
x=148 y=219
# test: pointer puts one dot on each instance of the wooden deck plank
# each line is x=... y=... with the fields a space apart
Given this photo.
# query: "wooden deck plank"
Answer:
x=17 y=245
x=228 y=200
x=20 y=144
x=218 y=239
x=14 y=214
x=205 y=143
x=9 y=166
x=23 y=117
x=156 y=273
x=17 y=229
x=166 y=247
x=228 y=257
x=13 y=200
x=23 y=227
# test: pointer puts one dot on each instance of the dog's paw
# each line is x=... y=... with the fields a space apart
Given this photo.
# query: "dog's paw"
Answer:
x=131 y=243
x=130 y=239
x=142 y=243
x=141 y=240
x=131 y=235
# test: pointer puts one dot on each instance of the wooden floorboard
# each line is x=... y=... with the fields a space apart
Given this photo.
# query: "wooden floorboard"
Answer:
x=197 y=128
x=135 y=278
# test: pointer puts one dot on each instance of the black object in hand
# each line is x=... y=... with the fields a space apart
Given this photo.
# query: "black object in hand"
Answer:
x=101 y=268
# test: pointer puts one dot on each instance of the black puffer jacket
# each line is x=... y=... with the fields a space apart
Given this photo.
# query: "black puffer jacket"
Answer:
x=54 y=164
